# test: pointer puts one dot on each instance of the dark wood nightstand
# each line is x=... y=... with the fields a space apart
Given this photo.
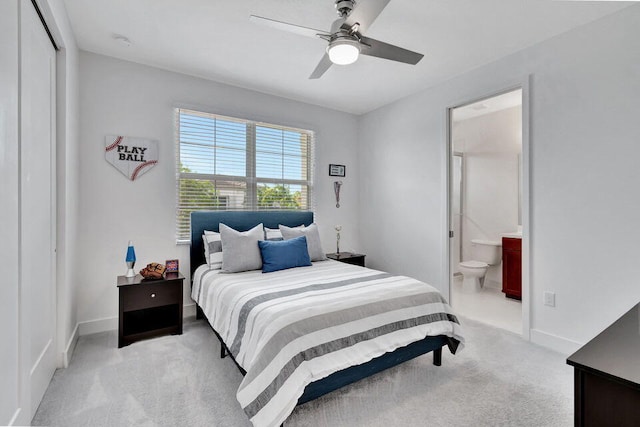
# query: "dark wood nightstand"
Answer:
x=348 y=257
x=149 y=308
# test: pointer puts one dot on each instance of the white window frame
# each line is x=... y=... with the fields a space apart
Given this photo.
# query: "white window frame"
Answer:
x=250 y=178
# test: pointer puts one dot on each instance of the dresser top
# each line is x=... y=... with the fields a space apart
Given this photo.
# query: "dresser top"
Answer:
x=138 y=279
x=344 y=255
x=615 y=352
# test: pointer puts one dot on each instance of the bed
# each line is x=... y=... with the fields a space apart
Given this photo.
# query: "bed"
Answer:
x=257 y=357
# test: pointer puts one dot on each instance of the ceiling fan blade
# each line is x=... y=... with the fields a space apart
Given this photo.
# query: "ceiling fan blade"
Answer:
x=364 y=14
x=284 y=26
x=388 y=51
x=323 y=66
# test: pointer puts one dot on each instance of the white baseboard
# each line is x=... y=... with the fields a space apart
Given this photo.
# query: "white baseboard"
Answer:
x=71 y=346
x=15 y=420
x=188 y=311
x=554 y=342
x=89 y=327
x=40 y=375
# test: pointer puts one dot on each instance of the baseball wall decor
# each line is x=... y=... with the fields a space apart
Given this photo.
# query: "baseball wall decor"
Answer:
x=131 y=156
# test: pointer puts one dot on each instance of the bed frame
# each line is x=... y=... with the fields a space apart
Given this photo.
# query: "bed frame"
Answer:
x=243 y=221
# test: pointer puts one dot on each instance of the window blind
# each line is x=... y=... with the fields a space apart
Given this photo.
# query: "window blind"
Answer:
x=235 y=164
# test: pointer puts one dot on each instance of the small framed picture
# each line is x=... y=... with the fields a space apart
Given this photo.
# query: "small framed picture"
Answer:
x=172 y=265
x=337 y=170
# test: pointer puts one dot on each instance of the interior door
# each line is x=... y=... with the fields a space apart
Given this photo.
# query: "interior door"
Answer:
x=38 y=219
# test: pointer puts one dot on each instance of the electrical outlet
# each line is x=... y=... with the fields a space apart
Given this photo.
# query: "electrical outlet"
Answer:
x=549 y=299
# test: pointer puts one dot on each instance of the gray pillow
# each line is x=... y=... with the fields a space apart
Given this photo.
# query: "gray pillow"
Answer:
x=240 y=251
x=313 y=239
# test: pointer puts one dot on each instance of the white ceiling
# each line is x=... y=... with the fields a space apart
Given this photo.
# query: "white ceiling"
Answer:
x=215 y=40
x=489 y=105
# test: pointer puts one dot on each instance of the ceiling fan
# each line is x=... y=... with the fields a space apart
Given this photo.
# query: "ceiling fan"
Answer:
x=346 y=39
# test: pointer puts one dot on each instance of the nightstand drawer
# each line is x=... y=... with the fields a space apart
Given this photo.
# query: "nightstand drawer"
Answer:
x=149 y=295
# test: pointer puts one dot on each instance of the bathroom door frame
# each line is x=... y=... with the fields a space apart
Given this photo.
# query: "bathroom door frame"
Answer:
x=461 y=201
x=522 y=83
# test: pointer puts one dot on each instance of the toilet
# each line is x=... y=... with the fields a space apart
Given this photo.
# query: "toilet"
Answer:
x=484 y=253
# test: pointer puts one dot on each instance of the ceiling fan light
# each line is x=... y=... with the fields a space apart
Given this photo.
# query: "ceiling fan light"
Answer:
x=343 y=51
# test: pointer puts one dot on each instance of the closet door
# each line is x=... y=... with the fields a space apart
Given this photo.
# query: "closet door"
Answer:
x=38 y=220
x=9 y=211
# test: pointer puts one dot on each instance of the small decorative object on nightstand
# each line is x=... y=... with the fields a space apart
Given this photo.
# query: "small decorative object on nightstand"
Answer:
x=172 y=265
x=348 y=257
x=130 y=260
x=149 y=308
x=338 y=228
x=153 y=271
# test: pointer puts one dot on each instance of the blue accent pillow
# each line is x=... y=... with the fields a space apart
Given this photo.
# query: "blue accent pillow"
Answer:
x=280 y=255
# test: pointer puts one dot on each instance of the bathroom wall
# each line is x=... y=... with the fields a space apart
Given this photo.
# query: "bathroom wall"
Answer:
x=491 y=144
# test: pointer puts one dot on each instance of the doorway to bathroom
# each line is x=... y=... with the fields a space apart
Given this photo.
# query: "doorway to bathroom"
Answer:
x=486 y=209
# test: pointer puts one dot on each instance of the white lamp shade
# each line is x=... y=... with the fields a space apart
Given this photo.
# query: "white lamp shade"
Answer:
x=343 y=52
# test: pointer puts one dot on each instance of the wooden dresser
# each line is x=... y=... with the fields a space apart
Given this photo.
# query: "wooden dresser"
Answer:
x=607 y=375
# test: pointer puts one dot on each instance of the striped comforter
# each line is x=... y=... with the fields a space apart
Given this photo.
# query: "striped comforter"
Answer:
x=292 y=327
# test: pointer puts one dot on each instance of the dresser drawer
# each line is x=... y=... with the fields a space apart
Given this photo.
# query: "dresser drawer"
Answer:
x=149 y=295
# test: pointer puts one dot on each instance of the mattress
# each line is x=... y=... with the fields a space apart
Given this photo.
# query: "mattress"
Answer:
x=289 y=328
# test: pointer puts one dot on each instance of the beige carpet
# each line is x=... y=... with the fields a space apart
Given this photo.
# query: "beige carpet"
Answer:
x=497 y=380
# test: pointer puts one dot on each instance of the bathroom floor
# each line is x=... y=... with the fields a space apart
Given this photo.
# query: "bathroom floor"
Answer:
x=488 y=306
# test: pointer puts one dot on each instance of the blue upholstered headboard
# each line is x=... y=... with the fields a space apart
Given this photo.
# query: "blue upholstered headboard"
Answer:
x=239 y=220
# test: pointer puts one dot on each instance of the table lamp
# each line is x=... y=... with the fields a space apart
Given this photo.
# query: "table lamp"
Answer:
x=131 y=260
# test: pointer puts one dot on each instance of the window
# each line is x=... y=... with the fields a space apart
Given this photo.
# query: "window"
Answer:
x=227 y=163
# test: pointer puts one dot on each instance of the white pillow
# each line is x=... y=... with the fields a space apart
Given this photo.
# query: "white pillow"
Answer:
x=212 y=249
x=240 y=251
x=272 y=234
x=275 y=233
x=313 y=239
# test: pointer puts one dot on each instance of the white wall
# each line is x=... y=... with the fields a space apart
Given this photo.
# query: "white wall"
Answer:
x=585 y=95
x=491 y=144
x=123 y=98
